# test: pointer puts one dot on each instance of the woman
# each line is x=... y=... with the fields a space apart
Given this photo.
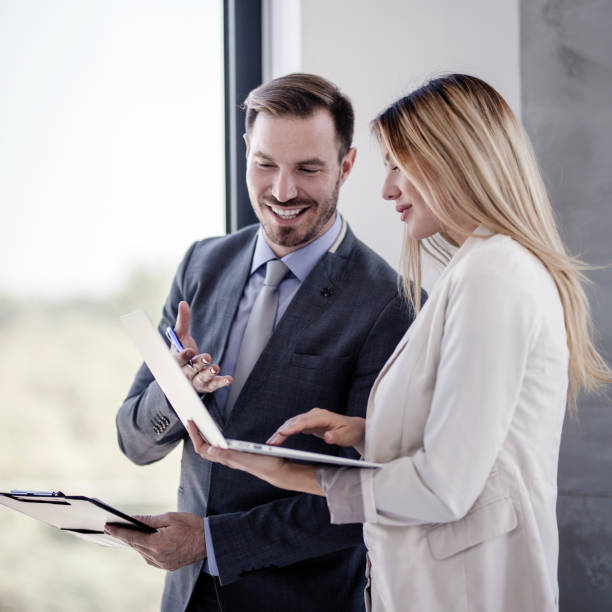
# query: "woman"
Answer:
x=466 y=415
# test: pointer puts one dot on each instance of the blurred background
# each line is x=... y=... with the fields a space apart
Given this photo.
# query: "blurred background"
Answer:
x=120 y=145
x=111 y=164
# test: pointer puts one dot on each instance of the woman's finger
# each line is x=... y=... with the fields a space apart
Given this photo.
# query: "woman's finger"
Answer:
x=276 y=439
x=285 y=431
x=315 y=421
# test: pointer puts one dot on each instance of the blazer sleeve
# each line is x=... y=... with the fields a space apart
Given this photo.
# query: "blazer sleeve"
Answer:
x=298 y=527
x=491 y=321
x=147 y=426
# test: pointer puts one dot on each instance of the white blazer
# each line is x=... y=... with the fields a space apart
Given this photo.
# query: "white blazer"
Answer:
x=467 y=417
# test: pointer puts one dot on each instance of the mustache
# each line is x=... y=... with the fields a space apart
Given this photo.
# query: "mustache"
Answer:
x=293 y=203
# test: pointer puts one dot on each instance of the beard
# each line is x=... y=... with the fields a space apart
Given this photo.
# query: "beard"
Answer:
x=292 y=236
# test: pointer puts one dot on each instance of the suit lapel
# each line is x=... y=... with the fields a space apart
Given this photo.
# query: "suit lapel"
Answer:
x=312 y=298
x=229 y=294
x=227 y=297
x=310 y=303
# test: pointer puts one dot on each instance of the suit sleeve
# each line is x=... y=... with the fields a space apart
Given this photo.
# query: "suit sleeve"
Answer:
x=490 y=324
x=296 y=528
x=147 y=426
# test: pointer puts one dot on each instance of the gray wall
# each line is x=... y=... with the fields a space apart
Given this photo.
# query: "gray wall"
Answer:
x=566 y=81
x=379 y=51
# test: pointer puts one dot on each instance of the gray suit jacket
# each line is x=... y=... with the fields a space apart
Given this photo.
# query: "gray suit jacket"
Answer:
x=273 y=546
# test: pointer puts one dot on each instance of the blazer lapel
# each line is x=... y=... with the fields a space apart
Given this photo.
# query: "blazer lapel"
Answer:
x=227 y=298
x=309 y=304
x=312 y=298
x=478 y=235
x=229 y=294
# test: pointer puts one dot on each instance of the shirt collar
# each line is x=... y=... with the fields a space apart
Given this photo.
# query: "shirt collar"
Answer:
x=303 y=260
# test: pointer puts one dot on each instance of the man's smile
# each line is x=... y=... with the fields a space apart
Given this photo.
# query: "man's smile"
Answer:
x=287 y=214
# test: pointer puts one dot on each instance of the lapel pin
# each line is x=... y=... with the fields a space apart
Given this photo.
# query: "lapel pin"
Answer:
x=327 y=291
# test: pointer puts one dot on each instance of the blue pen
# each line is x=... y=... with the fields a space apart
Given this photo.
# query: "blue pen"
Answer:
x=176 y=343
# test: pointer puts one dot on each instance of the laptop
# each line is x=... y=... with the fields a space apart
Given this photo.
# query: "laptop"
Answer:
x=188 y=405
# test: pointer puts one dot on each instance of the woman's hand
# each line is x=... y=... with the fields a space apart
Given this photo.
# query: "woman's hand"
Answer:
x=278 y=472
x=333 y=428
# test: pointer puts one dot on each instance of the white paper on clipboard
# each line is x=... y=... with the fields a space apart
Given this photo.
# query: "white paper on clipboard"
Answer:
x=79 y=515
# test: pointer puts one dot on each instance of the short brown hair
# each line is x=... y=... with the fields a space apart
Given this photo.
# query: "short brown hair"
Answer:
x=301 y=94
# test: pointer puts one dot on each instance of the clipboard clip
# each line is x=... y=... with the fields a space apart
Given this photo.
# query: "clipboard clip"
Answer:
x=38 y=493
x=34 y=497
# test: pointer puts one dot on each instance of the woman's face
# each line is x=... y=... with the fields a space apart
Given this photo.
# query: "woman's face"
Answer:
x=409 y=203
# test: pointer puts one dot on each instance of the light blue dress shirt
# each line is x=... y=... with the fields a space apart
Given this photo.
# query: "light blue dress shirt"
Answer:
x=300 y=263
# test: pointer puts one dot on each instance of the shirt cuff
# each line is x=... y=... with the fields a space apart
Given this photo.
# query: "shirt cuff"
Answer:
x=210 y=565
x=342 y=487
x=369 y=499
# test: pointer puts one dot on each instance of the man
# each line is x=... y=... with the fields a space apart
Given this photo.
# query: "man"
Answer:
x=337 y=318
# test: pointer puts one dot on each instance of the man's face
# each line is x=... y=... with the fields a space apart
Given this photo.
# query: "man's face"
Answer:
x=293 y=177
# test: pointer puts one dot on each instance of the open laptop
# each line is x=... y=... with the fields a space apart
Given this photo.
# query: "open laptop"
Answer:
x=188 y=405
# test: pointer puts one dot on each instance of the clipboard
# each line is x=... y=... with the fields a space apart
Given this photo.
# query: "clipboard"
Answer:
x=79 y=515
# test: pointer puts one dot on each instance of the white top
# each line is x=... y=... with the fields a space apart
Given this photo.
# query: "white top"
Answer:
x=467 y=416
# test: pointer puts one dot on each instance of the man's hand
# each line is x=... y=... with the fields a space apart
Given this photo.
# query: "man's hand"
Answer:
x=203 y=374
x=179 y=540
x=278 y=472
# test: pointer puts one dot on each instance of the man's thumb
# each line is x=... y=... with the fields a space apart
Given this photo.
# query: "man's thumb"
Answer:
x=151 y=521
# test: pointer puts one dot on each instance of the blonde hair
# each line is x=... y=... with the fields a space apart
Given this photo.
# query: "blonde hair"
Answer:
x=473 y=164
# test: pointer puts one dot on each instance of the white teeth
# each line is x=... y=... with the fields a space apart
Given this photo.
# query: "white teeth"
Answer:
x=286 y=213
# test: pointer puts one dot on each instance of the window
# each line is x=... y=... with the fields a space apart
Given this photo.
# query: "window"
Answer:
x=111 y=164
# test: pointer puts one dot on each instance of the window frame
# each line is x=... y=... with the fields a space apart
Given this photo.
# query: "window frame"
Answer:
x=242 y=29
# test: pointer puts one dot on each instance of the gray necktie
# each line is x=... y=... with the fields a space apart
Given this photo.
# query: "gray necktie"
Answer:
x=258 y=329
